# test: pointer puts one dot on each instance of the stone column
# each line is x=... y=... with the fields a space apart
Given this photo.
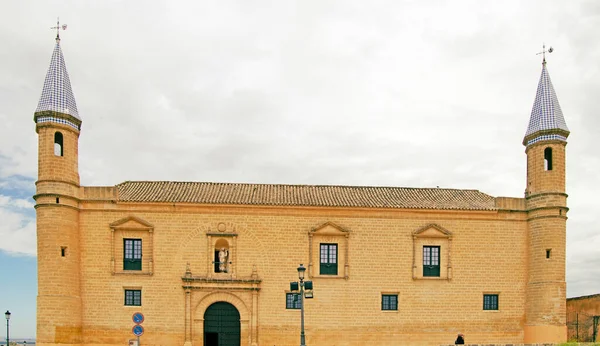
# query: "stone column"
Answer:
x=188 y=317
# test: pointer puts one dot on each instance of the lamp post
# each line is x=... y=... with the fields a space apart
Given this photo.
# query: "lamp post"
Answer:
x=306 y=291
x=7 y=315
x=301 y=270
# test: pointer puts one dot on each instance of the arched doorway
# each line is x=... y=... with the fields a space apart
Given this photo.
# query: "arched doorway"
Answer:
x=221 y=325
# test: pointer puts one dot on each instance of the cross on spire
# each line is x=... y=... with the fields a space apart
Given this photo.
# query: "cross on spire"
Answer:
x=58 y=27
x=544 y=51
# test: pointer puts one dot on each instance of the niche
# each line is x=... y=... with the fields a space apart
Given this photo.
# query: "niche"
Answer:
x=222 y=261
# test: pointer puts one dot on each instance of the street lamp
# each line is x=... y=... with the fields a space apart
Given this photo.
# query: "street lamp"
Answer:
x=7 y=315
x=301 y=271
x=302 y=285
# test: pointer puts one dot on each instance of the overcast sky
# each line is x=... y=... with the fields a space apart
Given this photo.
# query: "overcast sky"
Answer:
x=394 y=93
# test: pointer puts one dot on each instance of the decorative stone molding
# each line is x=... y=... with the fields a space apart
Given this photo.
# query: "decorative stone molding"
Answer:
x=330 y=233
x=432 y=235
x=242 y=293
x=224 y=237
x=135 y=228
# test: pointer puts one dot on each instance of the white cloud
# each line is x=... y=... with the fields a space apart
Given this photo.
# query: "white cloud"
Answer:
x=17 y=233
x=8 y=202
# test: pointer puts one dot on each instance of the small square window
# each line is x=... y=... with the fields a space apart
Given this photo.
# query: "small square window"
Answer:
x=389 y=302
x=133 y=297
x=293 y=301
x=490 y=302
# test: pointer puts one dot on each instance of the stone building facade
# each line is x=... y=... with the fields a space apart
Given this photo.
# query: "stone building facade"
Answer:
x=583 y=318
x=211 y=263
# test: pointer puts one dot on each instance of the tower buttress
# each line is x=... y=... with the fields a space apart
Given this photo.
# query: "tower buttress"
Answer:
x=57 y=209
x=546 y=200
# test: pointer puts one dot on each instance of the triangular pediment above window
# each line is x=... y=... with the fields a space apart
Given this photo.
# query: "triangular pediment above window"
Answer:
x=433 y=231
x=329 y=228
x=132 y=222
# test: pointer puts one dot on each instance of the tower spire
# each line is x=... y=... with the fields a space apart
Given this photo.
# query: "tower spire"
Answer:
x=546 y=121
x=57 y=103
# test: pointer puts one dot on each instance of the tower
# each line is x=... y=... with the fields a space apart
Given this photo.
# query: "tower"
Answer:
x=546 y=201
x=57 y=208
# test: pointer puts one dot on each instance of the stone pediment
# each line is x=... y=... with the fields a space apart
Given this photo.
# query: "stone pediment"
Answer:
x=329 y=228
x=432 y=231
x=132 y=223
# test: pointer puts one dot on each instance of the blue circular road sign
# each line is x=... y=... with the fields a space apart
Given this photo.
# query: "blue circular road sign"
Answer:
x=137 y=318
x=137 y=330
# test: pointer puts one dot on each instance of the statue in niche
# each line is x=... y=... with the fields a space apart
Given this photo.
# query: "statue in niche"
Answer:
x=223 y=256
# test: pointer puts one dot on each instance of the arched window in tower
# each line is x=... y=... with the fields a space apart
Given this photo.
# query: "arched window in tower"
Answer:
x=58 y=144
x=548 y=159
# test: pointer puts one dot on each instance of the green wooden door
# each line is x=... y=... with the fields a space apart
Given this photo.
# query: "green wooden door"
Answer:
x=328 y=259
x=132 y=254
x=431 y=261
x=221 y=325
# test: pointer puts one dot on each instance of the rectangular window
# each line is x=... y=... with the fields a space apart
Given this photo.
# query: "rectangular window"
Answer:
x=328 y=259
x=490 y=302
x=133 y=297
x=389 y=302
x=132 y=254
x=292 y=301
x=431 y=261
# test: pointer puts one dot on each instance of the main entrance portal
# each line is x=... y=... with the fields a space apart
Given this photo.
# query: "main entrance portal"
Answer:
x=221 y=325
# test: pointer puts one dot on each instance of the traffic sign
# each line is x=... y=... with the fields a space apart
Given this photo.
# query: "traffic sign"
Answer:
x=137 y=330
x=138 y=318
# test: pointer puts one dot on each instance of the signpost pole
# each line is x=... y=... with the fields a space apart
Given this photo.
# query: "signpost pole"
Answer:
x=138 y=341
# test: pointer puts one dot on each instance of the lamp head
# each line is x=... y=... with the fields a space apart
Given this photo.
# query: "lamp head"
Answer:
x=7 y=315
x=301 y=270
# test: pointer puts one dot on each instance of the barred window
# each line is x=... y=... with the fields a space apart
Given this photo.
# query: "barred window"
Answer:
x=389 y=302
x=490 y=302
x=133 y=297
x=293 y=301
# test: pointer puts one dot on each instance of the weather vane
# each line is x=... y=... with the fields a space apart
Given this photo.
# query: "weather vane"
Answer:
x=543 y=52
x=58 y=27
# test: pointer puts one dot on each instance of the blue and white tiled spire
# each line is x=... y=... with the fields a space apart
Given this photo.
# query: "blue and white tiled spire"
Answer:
x=547 y=121
x=57 y=103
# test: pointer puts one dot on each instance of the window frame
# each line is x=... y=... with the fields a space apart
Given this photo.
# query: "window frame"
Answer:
x=432 y=235
x=493 y=302
x=431 y=270
x=58 y=144
x=293 y=304
x=328 y=268
x=134 y=262
x=130 y=300
x=390 y=306
x=131 y=227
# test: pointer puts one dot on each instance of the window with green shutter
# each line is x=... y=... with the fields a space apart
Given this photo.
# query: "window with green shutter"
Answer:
x=328 y=259
x=132 y=254
x=431 y=261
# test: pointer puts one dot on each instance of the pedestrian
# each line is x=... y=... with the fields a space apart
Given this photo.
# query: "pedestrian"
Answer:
x=460 y=339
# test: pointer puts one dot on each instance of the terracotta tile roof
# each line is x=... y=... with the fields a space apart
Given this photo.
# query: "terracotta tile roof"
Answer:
x=303 y=195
